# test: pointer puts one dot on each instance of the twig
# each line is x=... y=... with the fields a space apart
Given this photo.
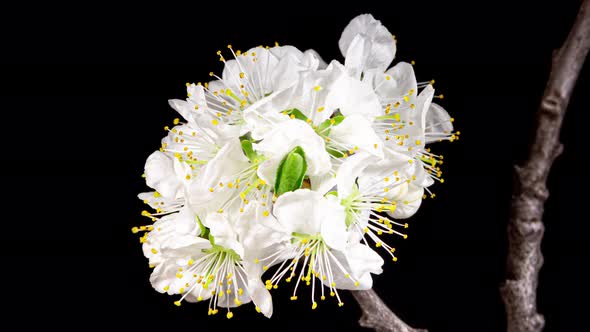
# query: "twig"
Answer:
x=377 y=315
x=525 y=230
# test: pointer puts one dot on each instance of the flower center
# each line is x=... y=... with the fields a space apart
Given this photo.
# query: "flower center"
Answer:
x=311 y=260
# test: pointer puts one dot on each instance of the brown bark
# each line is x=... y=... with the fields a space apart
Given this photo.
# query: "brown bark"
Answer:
x=525 y=229
x=377 y=315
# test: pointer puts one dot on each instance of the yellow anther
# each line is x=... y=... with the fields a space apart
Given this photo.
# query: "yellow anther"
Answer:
x=332 y=294
x=177 y=303
x=432 y=81
x=211 y=189
x=294 y=297
x=166 y=288
x=229 y=315
x=340 y=304
x=317 y=88
x=387 y=77
x=134 y=230
x=242 y=75
x=154 y=251
x=356 y=283
x=407 y=99
x=405 y=236
x=394 y=259
x=265 y=213
x=378 y=244
x=179 y=275
x=215 y=122
x=314 y=305
x=320 y=109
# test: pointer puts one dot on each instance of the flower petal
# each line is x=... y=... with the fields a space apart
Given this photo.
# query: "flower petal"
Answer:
x=160 y=175
x=382 y=45
x=356 y=130
x=408 y=202
x=352 y=96
x=363 y=260
x=438 y=121
x=322 y=183
x=205 y=193
x=350 y=170
x=297 y=211
x=333 y=225
x=289 y=134
x=223 y=231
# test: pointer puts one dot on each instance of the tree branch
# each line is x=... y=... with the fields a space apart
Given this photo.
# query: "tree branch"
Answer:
x=525 y=230
x=377 y=315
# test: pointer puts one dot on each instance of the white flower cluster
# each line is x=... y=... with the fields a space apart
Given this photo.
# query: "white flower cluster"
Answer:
x=285 y=168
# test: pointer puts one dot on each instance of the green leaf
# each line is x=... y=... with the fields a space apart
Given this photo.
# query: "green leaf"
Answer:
x=296 y=113
x=291 y=172
x=335 y=153
x=323 y=128
x=204 y=230
x=249 y=150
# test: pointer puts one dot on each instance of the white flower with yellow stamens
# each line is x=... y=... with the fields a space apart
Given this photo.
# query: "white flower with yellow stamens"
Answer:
x=287 y=166
x=212 y=269
x=408 y=119
x=337 y=110
x=369 y=187
x=318 y=247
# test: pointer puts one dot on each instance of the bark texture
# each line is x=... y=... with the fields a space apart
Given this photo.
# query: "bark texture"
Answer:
x=525 y=229
x=377 y=315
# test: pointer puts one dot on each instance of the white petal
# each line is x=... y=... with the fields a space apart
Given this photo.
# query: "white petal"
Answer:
x=437 y=121
x=287 y=135
x=223 y=231
x=356 y=57
x=359 y=261
x=160 y=175
x=311 y=56
x=322 y=183
x=297 y=211
x=260 y=296
x=397 y=84
x=418 y=116
x=350 y=170
x=332 y=217
x=267 y=170
x=265 y=114
x=356 y=130
x=363 y=260
x=353 y=96
x=290 y=65
x=408 y=204
x=157 y=201
x=228 y=162
x=382 y=49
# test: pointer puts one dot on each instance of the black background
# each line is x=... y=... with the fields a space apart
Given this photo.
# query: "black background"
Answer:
x=84 y=99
